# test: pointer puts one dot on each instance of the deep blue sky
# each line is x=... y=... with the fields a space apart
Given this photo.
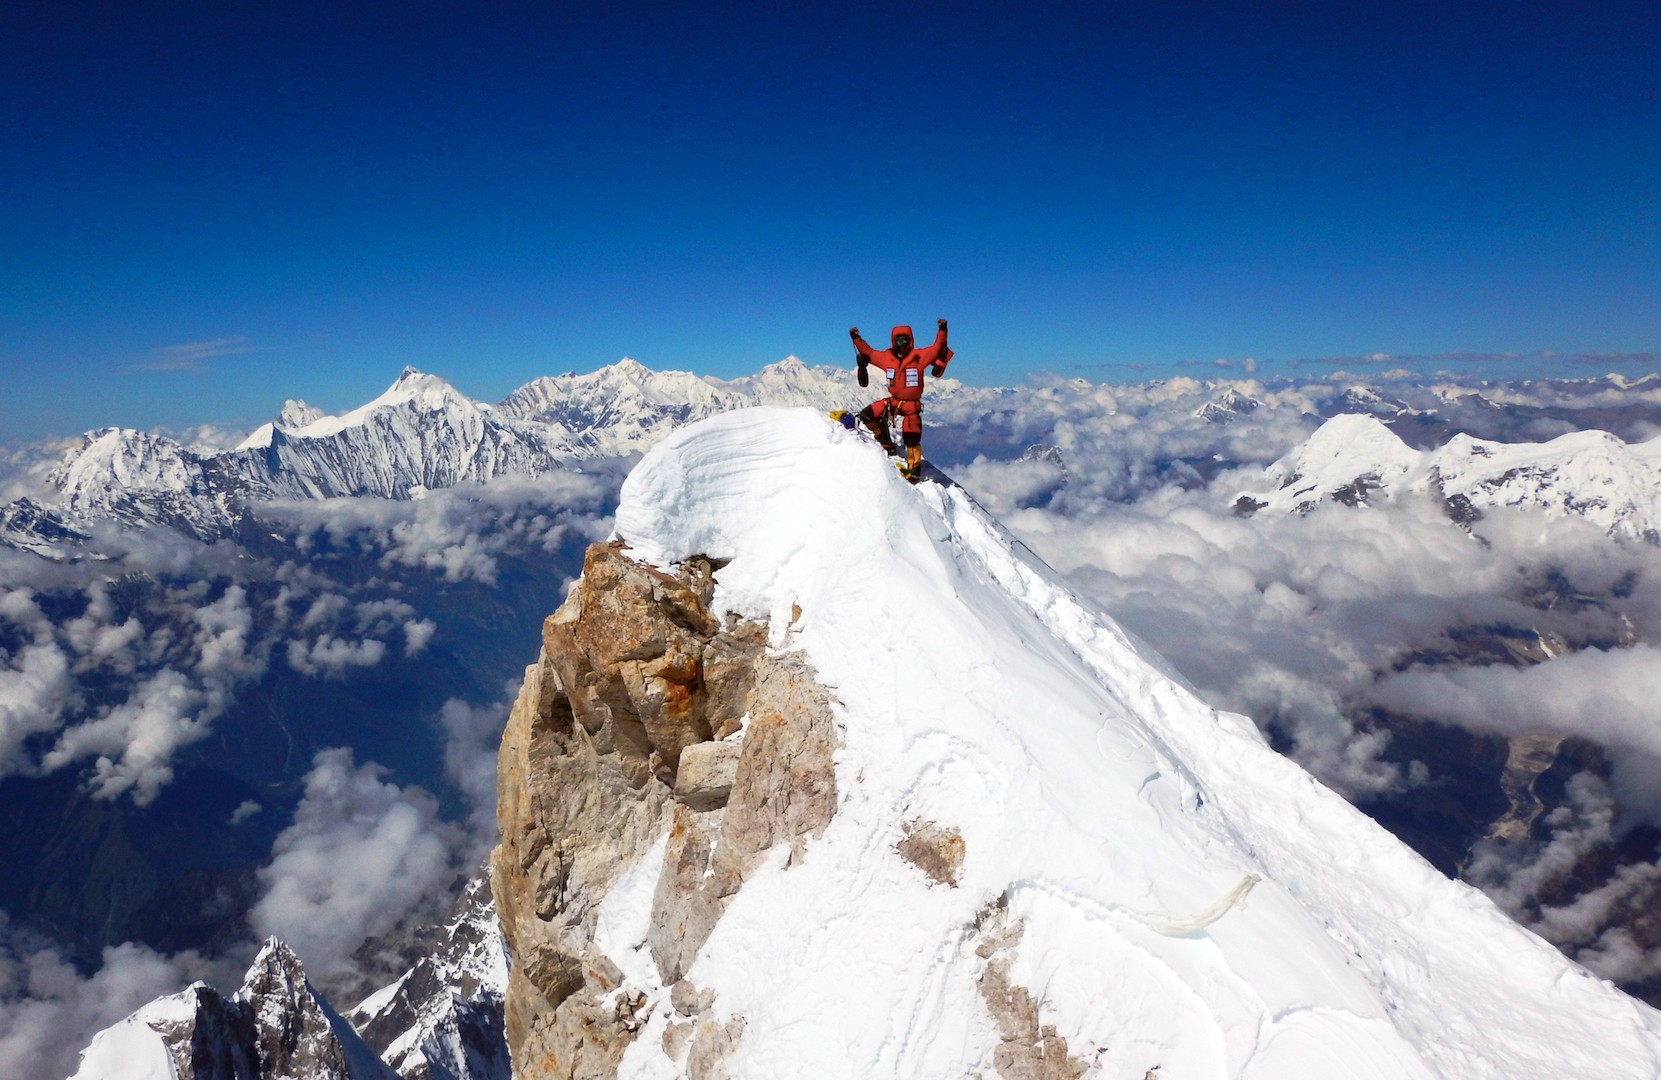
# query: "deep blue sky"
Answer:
x=207 y=207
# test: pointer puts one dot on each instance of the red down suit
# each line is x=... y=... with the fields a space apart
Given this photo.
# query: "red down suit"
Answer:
x=905 y=376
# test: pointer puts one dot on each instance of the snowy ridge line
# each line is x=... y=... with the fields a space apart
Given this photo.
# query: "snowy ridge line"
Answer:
x=1087 y=787
x=1329 y=841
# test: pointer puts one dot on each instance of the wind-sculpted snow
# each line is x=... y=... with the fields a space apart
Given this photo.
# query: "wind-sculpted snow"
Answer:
x=1100 y=805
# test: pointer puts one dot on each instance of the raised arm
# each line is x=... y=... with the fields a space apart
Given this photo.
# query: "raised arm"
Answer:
x=942 y=352
x=865 y=350
x=863 y=357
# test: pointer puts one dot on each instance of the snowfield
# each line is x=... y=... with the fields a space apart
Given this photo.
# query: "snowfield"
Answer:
x=1186 y=898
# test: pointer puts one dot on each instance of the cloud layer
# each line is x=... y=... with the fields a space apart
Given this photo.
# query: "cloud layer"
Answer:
x=360 y=855
x=113 y=668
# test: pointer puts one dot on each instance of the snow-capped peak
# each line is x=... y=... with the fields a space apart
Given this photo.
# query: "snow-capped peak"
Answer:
x=1168 y=891
x=275 y=1026
x=413 y=388
x=1354 y=458
x=297 y=414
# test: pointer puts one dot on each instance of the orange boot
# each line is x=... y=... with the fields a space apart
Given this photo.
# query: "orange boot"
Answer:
x=913 y=470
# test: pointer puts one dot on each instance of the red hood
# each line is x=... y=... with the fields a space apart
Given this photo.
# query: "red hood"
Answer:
x=894 y=335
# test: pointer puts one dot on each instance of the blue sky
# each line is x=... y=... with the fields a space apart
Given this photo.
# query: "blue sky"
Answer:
x=209 y=207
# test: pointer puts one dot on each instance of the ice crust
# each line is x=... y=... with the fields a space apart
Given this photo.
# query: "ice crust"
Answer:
x=1099 y=800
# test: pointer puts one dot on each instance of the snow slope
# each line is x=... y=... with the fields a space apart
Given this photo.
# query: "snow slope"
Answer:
x=1189 y=899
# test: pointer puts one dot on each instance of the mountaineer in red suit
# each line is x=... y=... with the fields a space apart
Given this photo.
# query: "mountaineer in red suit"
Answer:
x=903 y=364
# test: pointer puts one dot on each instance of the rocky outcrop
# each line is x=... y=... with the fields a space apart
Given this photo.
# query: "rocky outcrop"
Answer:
x=935 y=850
x=1027 y=1049
x=442 y=1019
x=646 y=718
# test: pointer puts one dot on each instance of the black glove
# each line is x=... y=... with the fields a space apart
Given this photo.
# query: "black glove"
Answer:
x=853 y=332
x=864 y=376
x=938 y=370
x=942 y=323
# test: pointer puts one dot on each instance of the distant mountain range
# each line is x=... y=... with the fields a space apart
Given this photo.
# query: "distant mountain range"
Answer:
x=314 y=523
x=1355 y=459
x=422 y=435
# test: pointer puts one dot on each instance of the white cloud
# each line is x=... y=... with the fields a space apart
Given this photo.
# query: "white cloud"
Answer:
x=460 y=533
x=134 y=742
x=48 y=1013
x=325 y=609
x=191 y=355
x=1530 y=880
x=361 y=853
x=1609 y=696
x=474 y=737
x=35 y=682
x=332 y=656
x=417 y=633
x=222 y=640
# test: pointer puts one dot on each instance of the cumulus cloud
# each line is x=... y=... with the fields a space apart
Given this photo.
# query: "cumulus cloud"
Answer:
x=146 y=647
x=35 y=683
x=1539 y=883
x=1607 y=696
x=360 y=854
x=332 y=656
x=460 y=534
x=473 y=736
x=134 y=742
x=49 y=1013
x=168 y=680
x=417 y=633
x=325 y=609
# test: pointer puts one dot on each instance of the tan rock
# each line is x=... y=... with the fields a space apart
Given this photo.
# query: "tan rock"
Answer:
x=935 y=850
x=704 y=779
x=1027 y=1049
x=608 y=748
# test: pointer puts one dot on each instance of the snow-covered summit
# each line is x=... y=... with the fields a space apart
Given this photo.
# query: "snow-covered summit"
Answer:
x=1173 y=893
x=420 y=434
x=275 y=1027
x=413 y=389
x=1355 y=458
x=625 y=407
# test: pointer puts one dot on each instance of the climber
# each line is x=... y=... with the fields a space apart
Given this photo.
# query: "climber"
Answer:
x=904 y=366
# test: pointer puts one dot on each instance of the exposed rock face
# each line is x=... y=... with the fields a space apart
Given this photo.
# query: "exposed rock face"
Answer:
x=1028 y=1049
x=645 y=716
x=275 y=1027
x=442 y=1019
